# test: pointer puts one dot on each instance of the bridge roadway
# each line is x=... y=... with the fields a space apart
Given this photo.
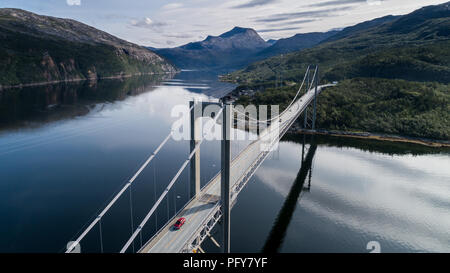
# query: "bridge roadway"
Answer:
x=168 y=240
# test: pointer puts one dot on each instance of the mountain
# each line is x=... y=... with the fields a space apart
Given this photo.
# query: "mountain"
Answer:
x=237 y=48
x=242 y=46
x=37 y=49
x=295 y=43
x=430 y=17
x=352 y=30
x=394 y=76
x=413 y=46
x=231 y=49
x=271 y=42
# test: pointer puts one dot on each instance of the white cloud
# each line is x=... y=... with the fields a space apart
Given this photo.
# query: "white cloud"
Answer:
x=172 y=6
x=73 y=2
x=374 y=2
x=147 y=23
x=187 y=20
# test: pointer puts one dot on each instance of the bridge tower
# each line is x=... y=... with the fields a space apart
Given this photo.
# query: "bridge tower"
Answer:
x=194 y=164
x=311 y=121
x=316 y=82
x=225 y=176
x=196 y=113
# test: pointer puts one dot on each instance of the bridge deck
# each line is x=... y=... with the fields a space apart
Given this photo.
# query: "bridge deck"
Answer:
x=169 y=240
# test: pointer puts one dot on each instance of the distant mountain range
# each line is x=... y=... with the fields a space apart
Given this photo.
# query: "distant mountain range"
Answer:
x=348 y=31
x=242 y=46
x=295 y=43
x=236 y=48
x=393 y=76
x=37 y=49
x=415 y=46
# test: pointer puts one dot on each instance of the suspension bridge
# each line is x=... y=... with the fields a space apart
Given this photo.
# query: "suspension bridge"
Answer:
x=212 y=203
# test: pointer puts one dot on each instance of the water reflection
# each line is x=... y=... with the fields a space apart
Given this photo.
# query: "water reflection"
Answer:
x=64 y=151
x=278 y=232
x=35 y=106
x=203 y=82
x=372 y=145
x=361 y=191
x=72 y=147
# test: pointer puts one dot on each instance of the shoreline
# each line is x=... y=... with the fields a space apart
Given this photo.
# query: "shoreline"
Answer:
x=434 y=143
x=404 y=139
x=124 y=76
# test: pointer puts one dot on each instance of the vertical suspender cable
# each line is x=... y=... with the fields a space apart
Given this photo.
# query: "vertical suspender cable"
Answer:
x=287 y=108
x=116 y=197
x=168 y=214
x=101 y=235
x=175 y=200
x=164 y=194
x=154 y=191
x=131 y=214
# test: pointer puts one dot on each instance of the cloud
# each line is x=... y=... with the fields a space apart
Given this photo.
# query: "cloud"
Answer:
x=336 y=3
x=179 y=36
x=303 y=14
x=254 y=3
x=374 y=2
x=114 y=16
x=73 y=2
x=172 y=6
x=295 y=22
x=147 y=23
x=277 y=29
x=207 y=17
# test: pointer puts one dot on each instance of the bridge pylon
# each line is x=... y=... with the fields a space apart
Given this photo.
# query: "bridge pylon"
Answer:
x=196 y=113
x=225 y=176
x=194 y=164
x=310 y=122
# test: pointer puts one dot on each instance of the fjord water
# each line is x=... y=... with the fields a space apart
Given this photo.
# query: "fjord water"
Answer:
x=66 y=149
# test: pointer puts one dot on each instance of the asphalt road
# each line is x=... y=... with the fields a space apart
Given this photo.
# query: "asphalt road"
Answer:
x=169 y=240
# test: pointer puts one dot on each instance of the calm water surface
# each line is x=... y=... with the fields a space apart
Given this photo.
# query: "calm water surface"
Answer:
x=65 y=150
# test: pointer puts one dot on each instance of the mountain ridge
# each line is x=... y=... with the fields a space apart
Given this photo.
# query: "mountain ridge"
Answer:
x=206 y=54
x=37 y=49
x=236 y=48
x=296 y=43
x=393 y=78
x=423 y=48
x=231 y=49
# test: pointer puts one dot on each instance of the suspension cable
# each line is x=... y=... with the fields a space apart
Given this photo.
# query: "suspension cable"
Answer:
x=172 y=182
x=292 y=102
x=128 y=184
x=131 y=212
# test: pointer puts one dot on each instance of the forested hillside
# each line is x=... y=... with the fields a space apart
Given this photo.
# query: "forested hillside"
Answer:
x=393 y=78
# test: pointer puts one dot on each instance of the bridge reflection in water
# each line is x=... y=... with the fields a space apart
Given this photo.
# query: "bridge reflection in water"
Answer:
x=278 y=232
x=225 y=186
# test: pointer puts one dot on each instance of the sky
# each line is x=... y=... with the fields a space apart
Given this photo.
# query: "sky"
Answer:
x=166 y=23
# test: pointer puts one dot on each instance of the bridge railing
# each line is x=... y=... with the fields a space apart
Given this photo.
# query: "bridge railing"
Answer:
x=166 y=191
x=257 y=159
x=200 y=234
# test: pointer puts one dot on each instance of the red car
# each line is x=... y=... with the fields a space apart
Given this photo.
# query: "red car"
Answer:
x=179 y=223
